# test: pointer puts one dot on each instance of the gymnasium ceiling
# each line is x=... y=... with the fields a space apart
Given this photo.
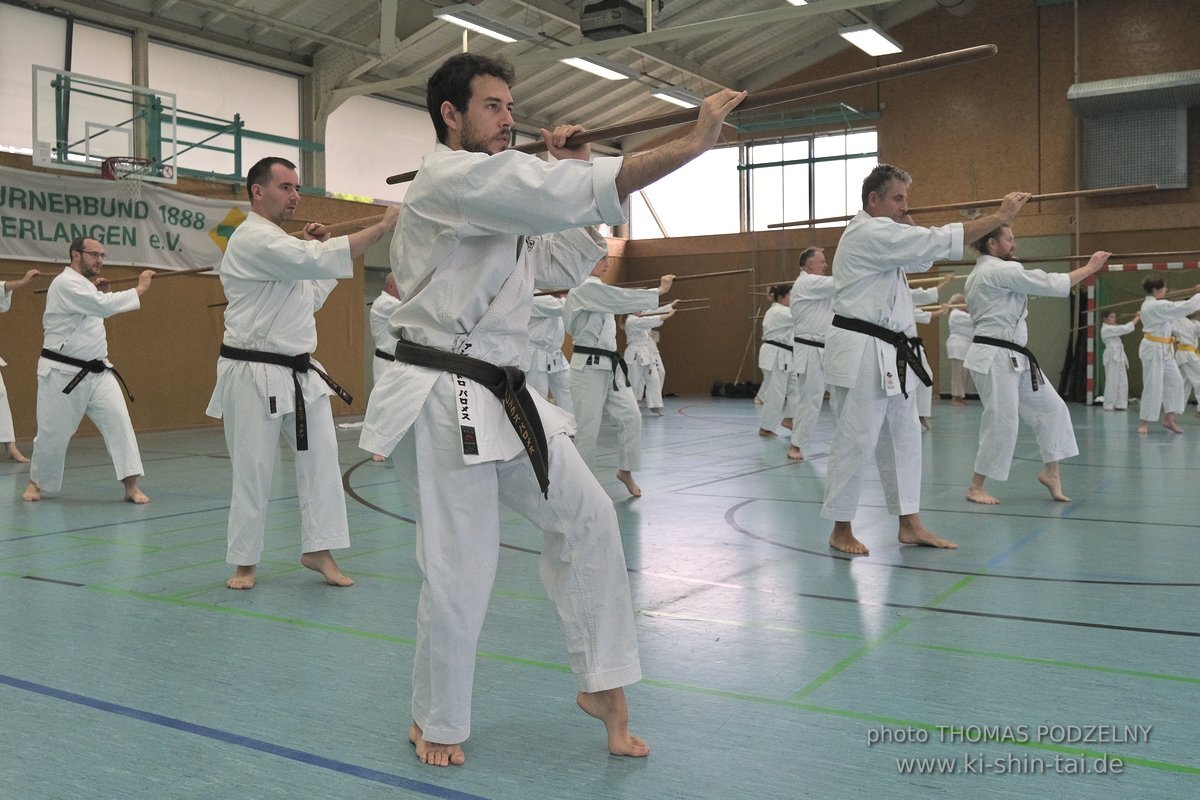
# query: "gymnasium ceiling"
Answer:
x=389 y=47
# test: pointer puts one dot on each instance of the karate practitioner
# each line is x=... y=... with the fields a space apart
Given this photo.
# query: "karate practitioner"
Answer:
x=1116 y=362
x=958 y=342
x=1162 y=383
x=1187 y=356
x=599 y=375
x=546 y=368
x=459 y=254
x=8 y=436
x=387 y=302
x=646 y=370
x=75 y=376
x=922 y=316
x=268 y=384
x=811 y=303
x=869 y=360
x=775 y=361
x=1012 y=386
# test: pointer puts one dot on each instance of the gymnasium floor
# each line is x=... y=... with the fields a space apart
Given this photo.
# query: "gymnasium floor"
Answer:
x=1056 y=634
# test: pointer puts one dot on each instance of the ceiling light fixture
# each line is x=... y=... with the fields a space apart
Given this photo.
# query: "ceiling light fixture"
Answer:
x=680 y=97
x=798 y=2
x=471 y=18
x=870 y=39
x=609 y=70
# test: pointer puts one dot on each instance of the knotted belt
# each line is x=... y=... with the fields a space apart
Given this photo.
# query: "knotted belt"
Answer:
x=508 y=386
x=781 y=345
x=85 y=367
x=1159 y=339
x=908 y=349
x=1034 y=369
x=612 y=355
x=384 y=354
x=1187 y=348
x=297 y=364
x=809 y=342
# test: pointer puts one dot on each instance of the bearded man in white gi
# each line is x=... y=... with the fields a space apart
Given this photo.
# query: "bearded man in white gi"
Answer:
x=869 y=360
x=1012 y=387
x=1116 y=362
x=646 y=370
x=1162 y=382
x=267 y=383
x=599 y=376
x=812 y=314
x=460 y=255
x=8 y=436
x=546 y=368
x=75 y=376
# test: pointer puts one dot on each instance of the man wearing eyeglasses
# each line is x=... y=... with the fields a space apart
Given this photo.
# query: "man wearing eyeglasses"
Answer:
x=75 y=376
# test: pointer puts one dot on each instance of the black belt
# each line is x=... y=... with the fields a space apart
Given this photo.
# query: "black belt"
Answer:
x=908 y=348
x=809 y=342
x=613 y=356
x=1034 y=369
x=300 y=363
x=506 y=383
x=84 y=368
x=781 y=345
x=384 y=354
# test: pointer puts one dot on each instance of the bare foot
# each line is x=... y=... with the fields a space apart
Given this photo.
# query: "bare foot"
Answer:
x=15 y=454
x=957 y=401
x=979 y=495
x=1143 y=429
x=322 y=561
x=626 y=477
x=32 y=493
x=794 y=453
x=915 y=533
x=434 y=754
x=243 y=577
x=137 y=496
x=376 y=457
x=924 y=423
x=657 y=411
x=1197 y=413
x=757 y=400
x=1172 y=425
x=766 y=434
x=1054 y=484
x=845 y=541
x=787 y=423
x=609 y=707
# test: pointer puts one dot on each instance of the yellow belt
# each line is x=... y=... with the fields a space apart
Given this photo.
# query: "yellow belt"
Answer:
x=1187 y=348
x=1159 y=339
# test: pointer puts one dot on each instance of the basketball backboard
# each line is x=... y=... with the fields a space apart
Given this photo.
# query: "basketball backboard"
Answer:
x=79 y=120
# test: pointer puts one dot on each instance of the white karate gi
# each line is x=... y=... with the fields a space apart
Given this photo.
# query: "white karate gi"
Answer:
x=460 y=259
x=779 y=383
x=646 y=370
x=958 y=342
x=588 y=315
x=998 y=295
x=275 y=283
x=812 y=314
x=1185 y=331
x=545 y=366
x=1162 y=383
x=873 y=415
x=381 y=311
x=1116 y=365
x=921 y=297
x=7 y=433
x=74 y=327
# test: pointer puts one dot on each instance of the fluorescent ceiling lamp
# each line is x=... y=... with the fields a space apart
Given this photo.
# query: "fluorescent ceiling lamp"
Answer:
x=471 y=18
x=870 y=40
x=679 y=97
x=798 y=2
x=608 y=70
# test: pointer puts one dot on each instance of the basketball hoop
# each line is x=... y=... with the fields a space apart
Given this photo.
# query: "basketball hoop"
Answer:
x=129 y=172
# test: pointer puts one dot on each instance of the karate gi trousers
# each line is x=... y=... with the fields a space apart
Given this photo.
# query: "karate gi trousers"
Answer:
x=810 y=394
x=1116 y=385
x=252 y=436
x=1008 y=398
x=7 y=433
x=1162 y=387
x=99 y=396
x=582 y=564
x=593 y=393
x=777 y=387
x=558 y=382
x=646 y=378
x=868 y=419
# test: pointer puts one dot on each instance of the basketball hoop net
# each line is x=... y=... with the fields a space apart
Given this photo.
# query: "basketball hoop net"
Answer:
x=129 y=172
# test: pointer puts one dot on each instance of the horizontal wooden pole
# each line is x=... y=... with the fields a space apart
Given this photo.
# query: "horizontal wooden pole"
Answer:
x=1037 y=198
x=785 y=94
x=1191 y=290
x=158 y=276
x=1115 y=258
x=679 y=278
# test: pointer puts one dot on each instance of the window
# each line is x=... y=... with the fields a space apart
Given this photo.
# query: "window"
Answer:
x=699 y=199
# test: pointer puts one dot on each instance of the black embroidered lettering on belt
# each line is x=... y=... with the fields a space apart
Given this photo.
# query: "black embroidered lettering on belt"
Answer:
x=272 y=401
x=470 y=443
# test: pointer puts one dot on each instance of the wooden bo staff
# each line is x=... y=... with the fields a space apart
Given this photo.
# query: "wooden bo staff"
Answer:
x=932 y=279
x=936 y=306
x=1037 y=198
x=1115 y=258
x=691 y=300
x=1177 y=293
x=344 y=228
x=158 y=276
x=664 y=313
x=679 y=278
x=785 y=94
